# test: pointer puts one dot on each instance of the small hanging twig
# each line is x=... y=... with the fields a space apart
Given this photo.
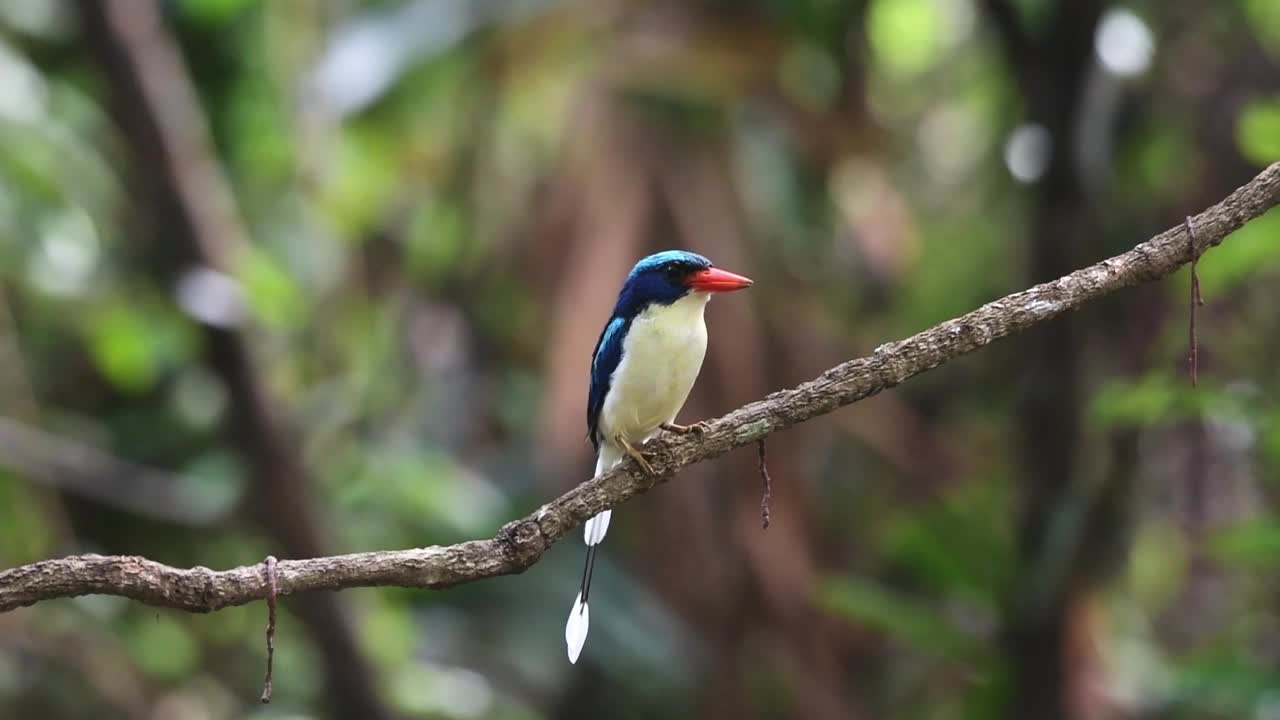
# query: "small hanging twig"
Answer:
x=272 y=591
x=767 y=485
x=1193 y=360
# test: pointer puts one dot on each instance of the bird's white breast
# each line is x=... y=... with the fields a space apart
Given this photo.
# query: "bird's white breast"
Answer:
x=661 y=357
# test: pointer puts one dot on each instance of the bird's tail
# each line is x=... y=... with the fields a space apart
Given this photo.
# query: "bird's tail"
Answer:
x=575 y=630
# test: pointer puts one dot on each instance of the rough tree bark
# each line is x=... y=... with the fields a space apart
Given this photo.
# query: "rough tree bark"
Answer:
x=521 y=543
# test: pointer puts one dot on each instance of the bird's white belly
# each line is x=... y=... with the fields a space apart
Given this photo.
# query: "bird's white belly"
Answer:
x=661 y=357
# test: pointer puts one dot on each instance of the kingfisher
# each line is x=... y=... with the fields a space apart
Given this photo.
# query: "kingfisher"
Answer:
x=642 y=370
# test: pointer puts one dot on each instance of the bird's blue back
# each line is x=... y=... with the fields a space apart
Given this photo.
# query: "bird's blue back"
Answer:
x=657 y=278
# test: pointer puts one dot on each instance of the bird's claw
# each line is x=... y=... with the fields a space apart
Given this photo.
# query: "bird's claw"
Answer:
x=698 y=428
x=638 y=456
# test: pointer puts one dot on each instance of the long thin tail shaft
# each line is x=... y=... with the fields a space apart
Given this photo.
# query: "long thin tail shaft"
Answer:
x=575 y=630
x=587 y=569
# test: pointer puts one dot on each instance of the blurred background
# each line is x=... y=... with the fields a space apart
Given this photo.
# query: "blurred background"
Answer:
x=299 y=278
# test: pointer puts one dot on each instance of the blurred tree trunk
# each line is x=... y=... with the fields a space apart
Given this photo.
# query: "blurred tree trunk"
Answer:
x=196 y=226
x=1051 y=71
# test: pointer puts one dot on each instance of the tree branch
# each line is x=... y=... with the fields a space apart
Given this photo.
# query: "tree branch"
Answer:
x=521 y=543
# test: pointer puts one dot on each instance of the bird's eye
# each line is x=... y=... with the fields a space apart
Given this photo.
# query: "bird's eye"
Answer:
x=674 y=273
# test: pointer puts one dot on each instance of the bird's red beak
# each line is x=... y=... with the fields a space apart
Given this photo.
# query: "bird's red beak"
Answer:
x=717 y=280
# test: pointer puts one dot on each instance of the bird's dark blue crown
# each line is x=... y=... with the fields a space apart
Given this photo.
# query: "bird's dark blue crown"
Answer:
x=660 y=278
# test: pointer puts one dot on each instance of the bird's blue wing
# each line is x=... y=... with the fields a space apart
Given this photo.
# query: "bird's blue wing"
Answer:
x=604 y=361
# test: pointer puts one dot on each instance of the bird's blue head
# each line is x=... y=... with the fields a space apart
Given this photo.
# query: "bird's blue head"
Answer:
x=665 y=277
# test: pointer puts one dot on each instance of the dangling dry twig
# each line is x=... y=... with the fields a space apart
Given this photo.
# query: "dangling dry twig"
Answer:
x=272 y=590
x=1193 y=360
x=767 y=491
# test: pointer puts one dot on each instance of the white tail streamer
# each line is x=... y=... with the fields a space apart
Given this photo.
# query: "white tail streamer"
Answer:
x=596 y=527
x=575 y=631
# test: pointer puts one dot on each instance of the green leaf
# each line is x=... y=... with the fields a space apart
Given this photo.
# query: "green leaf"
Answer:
x=274 y=298
x=213 y=483
x=1242 y=254
x=1255 y=543
x=119 y=348
x=1222 y=682
x=1269 y=438
x=388 y=634
x=1152 y=159
x=915 y=624
x=1158 y=563
x=810 y=75
x=1139 y=401
x=905 y=35
x=363 y=180
x=25 y=536
x=437 y=239
x=162 y=646
x=132 y=340
x=440 y=691
x=1258 y=131
x=951 y=545
x=1264 y=20
x=214 y=12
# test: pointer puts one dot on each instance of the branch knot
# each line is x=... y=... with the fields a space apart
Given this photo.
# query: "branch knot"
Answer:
x=522 y=540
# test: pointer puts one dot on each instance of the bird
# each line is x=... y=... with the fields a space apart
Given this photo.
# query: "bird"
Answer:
x=642 y=369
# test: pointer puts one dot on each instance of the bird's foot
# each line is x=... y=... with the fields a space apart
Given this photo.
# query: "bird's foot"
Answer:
x=699 y=428
x=636 y=455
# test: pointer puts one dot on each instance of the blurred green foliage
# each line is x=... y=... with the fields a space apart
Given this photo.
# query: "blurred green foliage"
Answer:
x=425 y=185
